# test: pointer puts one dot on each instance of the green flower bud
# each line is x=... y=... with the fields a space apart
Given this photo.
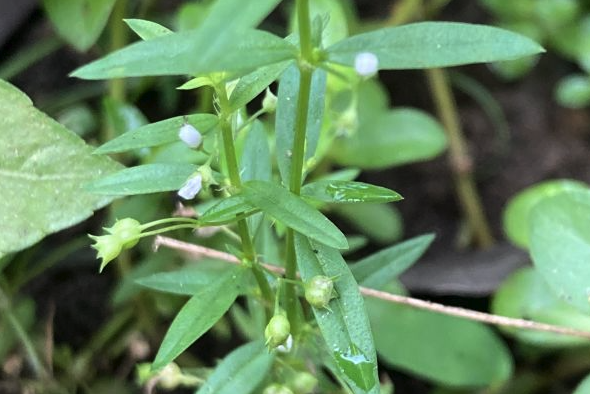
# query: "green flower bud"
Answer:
x=276 y=388
x=269 y=103
x=108 y=248
x=319 y=290
x=303 y=383
x=127 y=230
x=277 y=331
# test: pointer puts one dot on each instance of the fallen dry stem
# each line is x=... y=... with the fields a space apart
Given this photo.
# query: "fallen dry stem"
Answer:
x=197 y=251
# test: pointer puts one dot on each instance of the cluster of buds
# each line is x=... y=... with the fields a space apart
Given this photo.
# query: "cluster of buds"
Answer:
x=124 y=234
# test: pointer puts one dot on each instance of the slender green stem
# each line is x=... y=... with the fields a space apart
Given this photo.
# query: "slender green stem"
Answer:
x=166 y=229
x=298 y=155
x=118 y=40
x=169 y=220
x=461 y=162
x=234 y=176
x=300 y=129
x=23 y=337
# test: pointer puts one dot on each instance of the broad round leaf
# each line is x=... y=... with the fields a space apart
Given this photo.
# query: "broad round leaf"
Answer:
x=560 y=245
x=516 y=214
x=443 y=349
x=393 y=138
x=525 y=295
x=42 y=169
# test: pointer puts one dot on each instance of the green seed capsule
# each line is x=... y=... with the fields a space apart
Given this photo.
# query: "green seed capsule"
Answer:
x=319 y=290
x=128 y=231
x=276 y=388
x=277 y=331
x=303 y=383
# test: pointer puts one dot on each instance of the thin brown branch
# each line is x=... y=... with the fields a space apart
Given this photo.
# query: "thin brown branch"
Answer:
x=198 y=251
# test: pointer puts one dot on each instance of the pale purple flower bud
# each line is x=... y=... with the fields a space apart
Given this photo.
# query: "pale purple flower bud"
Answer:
x=190 y=136
x=366 y=64
x=191 y=187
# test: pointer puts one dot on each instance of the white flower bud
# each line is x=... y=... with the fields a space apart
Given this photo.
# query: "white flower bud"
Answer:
x=366 y=64
x=191 y=187
x=269 y=103
x=190 y=136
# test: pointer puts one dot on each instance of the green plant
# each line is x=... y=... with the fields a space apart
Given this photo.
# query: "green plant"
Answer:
x=262 y=177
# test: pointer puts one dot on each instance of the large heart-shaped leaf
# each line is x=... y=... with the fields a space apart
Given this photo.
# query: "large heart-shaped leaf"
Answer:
x=42 y=169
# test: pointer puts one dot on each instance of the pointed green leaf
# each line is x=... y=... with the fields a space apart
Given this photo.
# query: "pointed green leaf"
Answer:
x=147 y=30
x=525 y=295
x=42 y=168
x=158 y=133
x=345 y=326
x=443 y=349
x=199 y=314
x=189 y=52
x=434 y=44
x=559 y=241
x=188 y=281
x=292 y=211
x=393 y=138
x=348 y=192
x=384 y=266
x=286 y=115
x=241 y=371
x=144 y=179
x=79 y=22
x=251 y=85
x=255 y=163
x=228 y=210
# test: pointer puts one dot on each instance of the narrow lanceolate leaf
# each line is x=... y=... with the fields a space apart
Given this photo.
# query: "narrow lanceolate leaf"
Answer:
x=384 y=266
x=147 y=30
x=241 y=371
x=251 y=85
x=144 y=179
x=348 y=192
x=199 y=314
x=434 y=44
x=79 y=22
x=293 y=212
x=159 y=133
x=559 y=241
x=256 y=163
x=188 y=52
x=228 y=210
x=188 y=281
x=345 y=325
x=287 y=112
x=43 y=166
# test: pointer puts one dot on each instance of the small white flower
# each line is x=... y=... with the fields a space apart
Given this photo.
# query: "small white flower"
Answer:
x=190 y=136
x=366 y=64
x=287 y=346
x=191 y=187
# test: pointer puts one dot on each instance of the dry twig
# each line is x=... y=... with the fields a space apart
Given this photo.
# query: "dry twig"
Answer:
x=198 y=251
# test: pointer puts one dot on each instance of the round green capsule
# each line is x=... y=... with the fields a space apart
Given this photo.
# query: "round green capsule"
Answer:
x=319 y=290
x=277 y=331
